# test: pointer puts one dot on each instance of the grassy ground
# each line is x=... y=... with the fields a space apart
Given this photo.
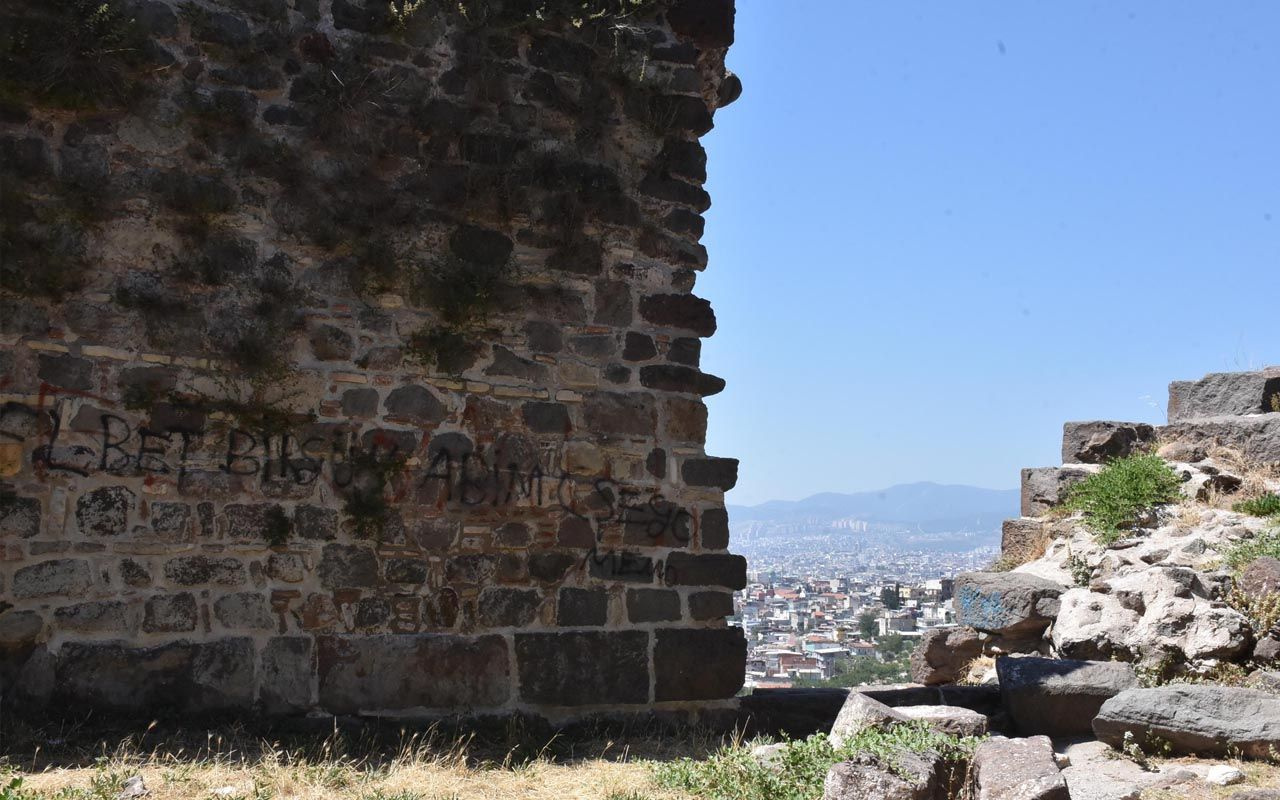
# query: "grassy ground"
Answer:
x=1259 y=775
x=233 y=763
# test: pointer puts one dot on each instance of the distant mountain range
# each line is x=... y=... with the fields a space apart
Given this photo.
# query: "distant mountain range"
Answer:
x=923 y=506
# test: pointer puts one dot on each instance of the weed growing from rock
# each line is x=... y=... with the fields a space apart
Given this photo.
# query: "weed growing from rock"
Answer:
x=1268 y=505
x=1244 y=553
x=799 y=768
x=1115 y=499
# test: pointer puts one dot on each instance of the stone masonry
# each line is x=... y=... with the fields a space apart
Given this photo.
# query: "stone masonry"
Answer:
x=349 y=360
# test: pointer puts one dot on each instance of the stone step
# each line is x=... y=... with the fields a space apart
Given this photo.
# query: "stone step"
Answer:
x=1256 y=437
x=1099 y=441
x=1221 y=394
x=1043 y=488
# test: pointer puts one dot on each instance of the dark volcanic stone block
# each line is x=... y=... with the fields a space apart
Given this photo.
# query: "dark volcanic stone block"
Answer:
x=699 y=664
x=616 y=413
x=196 y=570
x=61 y=576
x=288 y=662
x=675 y=378
x=1098 y=442
x=66 y=371
x=710 y=605
x=686 y=569
x=584 y=667
x=582 y=607
x=367 y=674
x=20 y=517
x=348 y=566
x=713 y=527
x=506 y=608
x=178 y=677
x=684 y=311
x=721 y=473
x=105 y=511
x=653 y=605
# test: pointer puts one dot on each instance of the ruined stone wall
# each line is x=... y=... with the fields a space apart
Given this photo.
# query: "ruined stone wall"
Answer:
x=349 y=360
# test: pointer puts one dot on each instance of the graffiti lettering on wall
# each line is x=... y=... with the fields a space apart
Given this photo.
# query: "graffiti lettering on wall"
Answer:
x=510 y=472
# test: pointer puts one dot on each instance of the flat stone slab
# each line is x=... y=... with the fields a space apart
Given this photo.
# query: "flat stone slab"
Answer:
x=1096 y=773
x=1224 y=394
x=1195 y=719
x=1257 y=438
x=1018 y=769
x=861 y=713
x=950 y=720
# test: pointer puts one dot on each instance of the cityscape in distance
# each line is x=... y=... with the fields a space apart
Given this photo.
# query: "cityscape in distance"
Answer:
x=840 y=586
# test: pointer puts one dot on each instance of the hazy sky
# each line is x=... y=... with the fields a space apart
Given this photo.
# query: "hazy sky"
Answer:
x=942 y=229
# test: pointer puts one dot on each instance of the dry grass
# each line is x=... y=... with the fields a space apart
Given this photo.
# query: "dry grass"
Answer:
x=1259 y=775
x=426 y=765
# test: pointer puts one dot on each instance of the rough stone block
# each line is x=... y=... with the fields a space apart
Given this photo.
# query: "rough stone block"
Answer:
x=67 y=372
x=1257 y=437
x=576 y=668
x=1023 y=539
x=183 y=677
x=20 y=517
x=369 y=674
x=508 y=608
x=244 y=611
x=200 y=570
x=1098 y=442
x=65 y=577
x=105 y=511
x=686 y=569
x=1221 y=394
x=348 y=567
x=621 y=414
x=1044 y=488
x=1006 y=603
x=653 y=605
x=105 y=616
x=677 y=378
x=288 y=665
x=682 y=311
x=943 y=654
x=582 y=607
x=1059 y=697
x=170 y=614
x=713 y=528
x=704 y=606
x=722 y=473
x=699 y=663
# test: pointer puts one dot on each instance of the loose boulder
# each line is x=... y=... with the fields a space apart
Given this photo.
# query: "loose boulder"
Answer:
x=1195 y=719
x=942 y=655
x=1018 y=769
x=860 y=713
x=1010 y=604
x=1059 y=697
x=912 y=776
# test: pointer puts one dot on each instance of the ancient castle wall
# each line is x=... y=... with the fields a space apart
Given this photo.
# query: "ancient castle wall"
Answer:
x=349 y=360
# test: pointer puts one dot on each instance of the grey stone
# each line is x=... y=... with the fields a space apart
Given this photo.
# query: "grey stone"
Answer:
x=506 y=608
x=1256 y=438
x=204 y=677
x=910 y=776
x=360 y=402
x=653 y=605
x=546 y=417
x=348 y=567
x=105 y=511
x=943 y=654
x=582 y=607
x=198 y=570
x=1045 y=488
x=1261 y=577
x=170 y=614
x=1098 y=442
x=1223 y=394
x=415 y=672
x=20 y=517
x=1018 y=769
x=1005 y=603
x=67 y=372
x=951 y=720
x=244 y=611
x=329 y=343
x=19 y=629
x=105 y=616
x=698 y=663
x=288 y=664
x=722 y=473
x=705 y=606
x=59 y=577
x=1059 y=697
x=575 y=668
x=1195 y=719
x=415 y=403
x=860 y=713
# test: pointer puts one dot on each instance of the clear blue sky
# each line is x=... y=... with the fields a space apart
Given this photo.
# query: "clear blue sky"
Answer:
x=940 y=230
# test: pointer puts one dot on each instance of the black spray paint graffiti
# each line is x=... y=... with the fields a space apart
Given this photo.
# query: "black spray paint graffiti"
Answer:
x=453 y=477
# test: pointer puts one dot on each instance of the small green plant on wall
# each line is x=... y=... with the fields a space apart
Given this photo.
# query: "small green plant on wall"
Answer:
x=464 y=295
x=1114 y=499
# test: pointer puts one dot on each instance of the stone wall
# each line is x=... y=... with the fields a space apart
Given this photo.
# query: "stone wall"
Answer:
x=349 y=360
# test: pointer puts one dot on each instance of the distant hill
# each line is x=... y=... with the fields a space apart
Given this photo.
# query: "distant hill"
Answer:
x=927 y=506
